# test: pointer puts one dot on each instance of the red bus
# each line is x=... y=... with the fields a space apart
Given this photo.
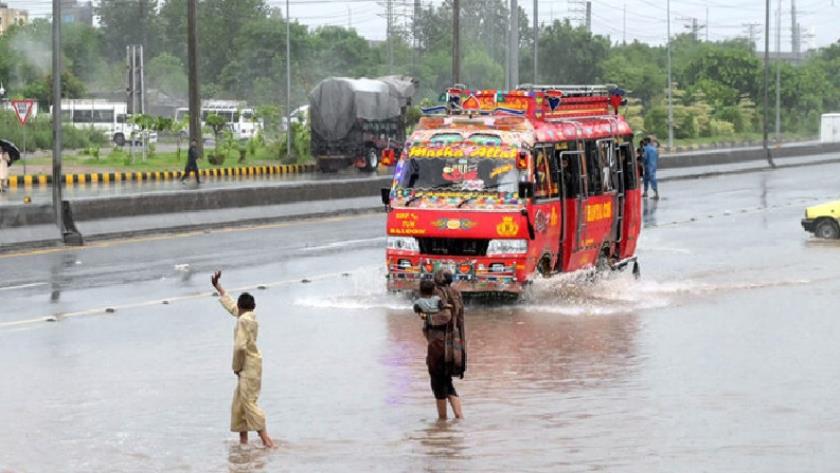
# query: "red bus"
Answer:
x=503 y=186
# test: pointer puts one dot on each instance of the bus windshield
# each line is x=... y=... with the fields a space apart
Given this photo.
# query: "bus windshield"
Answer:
x=459 y=174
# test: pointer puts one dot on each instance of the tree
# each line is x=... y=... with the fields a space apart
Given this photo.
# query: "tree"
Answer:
x=572 y=55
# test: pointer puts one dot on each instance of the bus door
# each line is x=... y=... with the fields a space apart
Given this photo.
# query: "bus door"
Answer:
x=547 y=213
x=567 y=167
x=609 y=169
x=631 y=219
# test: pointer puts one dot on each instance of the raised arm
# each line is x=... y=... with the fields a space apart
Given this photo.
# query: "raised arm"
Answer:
x=227 y=302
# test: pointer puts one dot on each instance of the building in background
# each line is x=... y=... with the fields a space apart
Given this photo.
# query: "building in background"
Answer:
x=10 y=17
x=74 y=11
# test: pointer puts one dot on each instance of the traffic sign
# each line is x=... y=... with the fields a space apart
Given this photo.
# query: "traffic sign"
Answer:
x=23 y=109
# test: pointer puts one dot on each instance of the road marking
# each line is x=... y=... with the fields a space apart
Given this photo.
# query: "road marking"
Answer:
x=172 y=236
x=342 y=244
x=22 y=286
x=107 y=310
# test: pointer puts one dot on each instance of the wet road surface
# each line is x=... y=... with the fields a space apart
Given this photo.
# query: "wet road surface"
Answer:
x=722 y=358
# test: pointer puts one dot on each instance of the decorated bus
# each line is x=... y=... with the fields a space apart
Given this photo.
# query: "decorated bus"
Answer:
x=503 y=186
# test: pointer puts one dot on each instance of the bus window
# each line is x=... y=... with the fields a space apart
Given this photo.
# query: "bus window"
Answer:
x=542 y=174
x=628 y=157
x=485 y=139
x=446 y=138
x=606 y=165
x=593 y=167
x=81 y=116
x=103 y=116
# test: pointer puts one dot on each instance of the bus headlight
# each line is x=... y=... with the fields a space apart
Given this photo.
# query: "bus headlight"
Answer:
x=507 y=247
x=403 y=243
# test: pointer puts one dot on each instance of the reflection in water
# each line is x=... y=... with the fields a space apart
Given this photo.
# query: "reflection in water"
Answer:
x=59 y=264
x=246 y=458
x=649 y=212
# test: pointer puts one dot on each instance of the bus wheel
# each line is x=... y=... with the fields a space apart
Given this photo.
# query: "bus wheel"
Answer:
x=371 y=159
x=827 y=229
x=544 y=267
x=119 y=139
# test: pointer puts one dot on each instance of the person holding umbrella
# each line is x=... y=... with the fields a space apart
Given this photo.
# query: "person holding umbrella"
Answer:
x=8 y=154
x=5 y=161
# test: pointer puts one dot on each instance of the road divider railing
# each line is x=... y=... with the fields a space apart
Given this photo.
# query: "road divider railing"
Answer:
x=141 y=176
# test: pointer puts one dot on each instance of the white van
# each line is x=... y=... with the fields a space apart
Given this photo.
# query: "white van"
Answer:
x=106 y=116
x=239 y=119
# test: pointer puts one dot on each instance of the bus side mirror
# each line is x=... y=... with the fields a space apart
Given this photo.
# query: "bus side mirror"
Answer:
x=526 y=190
x=385 y=192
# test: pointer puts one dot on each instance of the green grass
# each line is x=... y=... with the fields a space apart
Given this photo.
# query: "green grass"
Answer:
x=121 y=160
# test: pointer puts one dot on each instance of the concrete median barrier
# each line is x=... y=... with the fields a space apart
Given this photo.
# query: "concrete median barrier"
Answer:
x=730 y=156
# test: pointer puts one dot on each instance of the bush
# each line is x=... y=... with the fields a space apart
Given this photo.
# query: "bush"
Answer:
x=216 y=159
x=721 y=127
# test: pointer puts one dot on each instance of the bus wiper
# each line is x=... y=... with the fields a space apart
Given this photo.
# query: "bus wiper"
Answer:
x=412 y=199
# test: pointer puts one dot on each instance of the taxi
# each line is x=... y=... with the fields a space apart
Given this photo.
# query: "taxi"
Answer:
x=823 y=220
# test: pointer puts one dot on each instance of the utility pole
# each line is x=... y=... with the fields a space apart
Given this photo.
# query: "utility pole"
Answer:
x=767 y=80
x=778 y=72
x=456 y=42
x=751 y=30
x=624 y=25
x=288 y=82
x=693 y=25
x=56 y=117
x=390 y=9
x=794 y=32
x=536 y=41
x=670 y=83
x=588 y=17
x=514 y=44
x=707 y=24
x=415 y=34
x=194 y=95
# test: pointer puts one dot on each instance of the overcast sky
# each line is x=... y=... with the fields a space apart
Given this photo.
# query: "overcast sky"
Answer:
x=646 y=19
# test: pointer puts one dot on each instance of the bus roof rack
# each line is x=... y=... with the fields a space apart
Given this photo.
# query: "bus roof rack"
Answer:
x=570 y=90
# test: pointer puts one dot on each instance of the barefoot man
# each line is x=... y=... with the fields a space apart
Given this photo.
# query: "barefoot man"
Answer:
x=245 y=415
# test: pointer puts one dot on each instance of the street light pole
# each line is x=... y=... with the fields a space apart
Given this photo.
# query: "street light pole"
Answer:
x=56 y=117
x=670 y=96
x=288 y=84
x=767 y=81
x=194 y=95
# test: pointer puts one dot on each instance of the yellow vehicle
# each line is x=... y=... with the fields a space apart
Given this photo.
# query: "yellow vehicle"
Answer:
x=823 y=220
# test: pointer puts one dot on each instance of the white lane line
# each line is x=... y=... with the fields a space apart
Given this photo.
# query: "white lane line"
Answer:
x=168 y=300
x=22 y=286
x=342 y=244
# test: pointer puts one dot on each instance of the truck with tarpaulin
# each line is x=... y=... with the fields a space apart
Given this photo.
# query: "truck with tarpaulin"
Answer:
x=353 y=120
x=503 y=186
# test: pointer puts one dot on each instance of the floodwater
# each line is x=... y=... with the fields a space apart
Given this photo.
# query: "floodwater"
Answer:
x=723 y=357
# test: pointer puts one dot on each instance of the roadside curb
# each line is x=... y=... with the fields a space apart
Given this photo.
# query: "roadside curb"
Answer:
x=747 y=170
x=138 y=176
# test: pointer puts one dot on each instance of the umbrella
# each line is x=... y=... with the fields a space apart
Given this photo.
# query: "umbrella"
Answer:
x=9 y=147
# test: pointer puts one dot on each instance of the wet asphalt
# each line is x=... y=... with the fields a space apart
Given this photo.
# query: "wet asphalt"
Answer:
x=723 y=357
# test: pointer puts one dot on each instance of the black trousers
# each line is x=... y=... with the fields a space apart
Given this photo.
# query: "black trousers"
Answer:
x=191 y=167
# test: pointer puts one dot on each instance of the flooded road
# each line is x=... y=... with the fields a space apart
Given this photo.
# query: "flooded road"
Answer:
x=722 y=358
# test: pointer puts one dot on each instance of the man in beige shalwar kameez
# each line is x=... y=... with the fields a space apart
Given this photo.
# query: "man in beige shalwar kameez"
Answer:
x=245 y=414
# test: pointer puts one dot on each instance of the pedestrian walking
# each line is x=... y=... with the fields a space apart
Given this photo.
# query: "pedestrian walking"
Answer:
x=192 y=162
x=651 y=161
x=5 y=162
x=245 y=416
x=441 y=307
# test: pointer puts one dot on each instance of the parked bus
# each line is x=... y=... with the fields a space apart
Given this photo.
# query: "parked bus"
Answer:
x=239 y=118
x=106 y=116
x=503 y=186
